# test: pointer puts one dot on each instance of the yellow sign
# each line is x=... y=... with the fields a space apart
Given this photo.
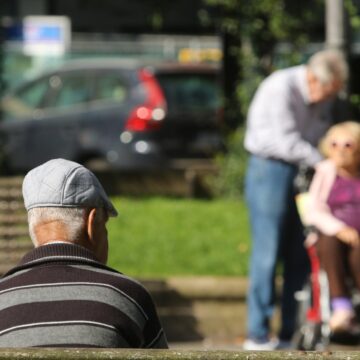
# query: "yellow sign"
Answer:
x=187 y=55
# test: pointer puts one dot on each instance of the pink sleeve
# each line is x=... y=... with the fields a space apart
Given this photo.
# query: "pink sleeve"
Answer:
x=319 y=214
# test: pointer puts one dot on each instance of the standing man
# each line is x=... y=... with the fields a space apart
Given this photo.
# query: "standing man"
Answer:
x=62 y=294
x=288 y=114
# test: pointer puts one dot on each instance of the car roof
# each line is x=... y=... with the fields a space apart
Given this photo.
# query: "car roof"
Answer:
x=101 y=63
x=133 y=64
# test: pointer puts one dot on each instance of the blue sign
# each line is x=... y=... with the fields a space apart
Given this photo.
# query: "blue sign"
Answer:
x=43 y=33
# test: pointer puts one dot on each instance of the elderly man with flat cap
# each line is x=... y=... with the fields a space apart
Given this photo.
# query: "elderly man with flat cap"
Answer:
x=62 y=294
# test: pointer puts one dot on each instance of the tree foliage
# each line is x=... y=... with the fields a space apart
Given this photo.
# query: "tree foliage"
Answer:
x=261 y=36
x=256 y=28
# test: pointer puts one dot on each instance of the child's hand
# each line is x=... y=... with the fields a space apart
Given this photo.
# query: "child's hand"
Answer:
x=349 y=236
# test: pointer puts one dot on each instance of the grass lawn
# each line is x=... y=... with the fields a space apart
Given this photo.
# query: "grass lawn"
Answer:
x=166 y=236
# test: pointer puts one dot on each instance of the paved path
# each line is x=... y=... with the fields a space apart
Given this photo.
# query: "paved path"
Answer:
x=206 y=312
x=237 y=346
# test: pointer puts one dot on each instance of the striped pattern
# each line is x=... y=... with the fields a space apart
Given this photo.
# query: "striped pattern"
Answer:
x=59 y=295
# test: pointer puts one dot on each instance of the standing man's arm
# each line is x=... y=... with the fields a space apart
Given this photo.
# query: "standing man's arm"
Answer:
x=273 y=129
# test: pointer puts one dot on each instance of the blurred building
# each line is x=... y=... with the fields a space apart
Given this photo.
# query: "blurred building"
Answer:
x=147 y=29
x=152 y=30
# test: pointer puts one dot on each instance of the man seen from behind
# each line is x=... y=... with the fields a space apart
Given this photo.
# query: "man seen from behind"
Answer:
x=62 y=294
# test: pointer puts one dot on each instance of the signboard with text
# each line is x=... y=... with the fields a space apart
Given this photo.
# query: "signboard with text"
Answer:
x=46 y=35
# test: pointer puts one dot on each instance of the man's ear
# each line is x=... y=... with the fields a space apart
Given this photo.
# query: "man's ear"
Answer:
x=90 y=225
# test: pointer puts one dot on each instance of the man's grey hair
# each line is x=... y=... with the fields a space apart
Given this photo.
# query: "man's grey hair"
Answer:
x=72 y=219
x=329 y=66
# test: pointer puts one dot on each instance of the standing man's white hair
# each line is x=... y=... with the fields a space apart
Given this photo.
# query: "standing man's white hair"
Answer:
x=329 y=66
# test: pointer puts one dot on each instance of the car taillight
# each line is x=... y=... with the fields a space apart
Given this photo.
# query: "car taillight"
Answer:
x=150 y=114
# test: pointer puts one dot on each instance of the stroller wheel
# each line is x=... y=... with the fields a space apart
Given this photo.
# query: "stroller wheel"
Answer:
x=310 y=337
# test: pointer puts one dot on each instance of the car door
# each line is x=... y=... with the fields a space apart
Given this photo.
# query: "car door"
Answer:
x=19 y=111
x=192 y=125
x=55 y=131
x=110 y=106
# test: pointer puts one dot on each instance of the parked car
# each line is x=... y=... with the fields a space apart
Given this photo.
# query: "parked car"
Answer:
x=127 y=117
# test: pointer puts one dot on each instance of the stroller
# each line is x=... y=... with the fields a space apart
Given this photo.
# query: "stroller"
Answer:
x=313 y=331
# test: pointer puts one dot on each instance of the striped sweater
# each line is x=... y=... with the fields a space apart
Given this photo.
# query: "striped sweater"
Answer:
x=60 y=295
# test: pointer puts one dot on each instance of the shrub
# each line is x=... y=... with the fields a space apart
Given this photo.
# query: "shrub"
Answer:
x=230 y=181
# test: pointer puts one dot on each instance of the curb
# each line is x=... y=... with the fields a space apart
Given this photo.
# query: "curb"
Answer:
x=201 y=287
x=201 y=308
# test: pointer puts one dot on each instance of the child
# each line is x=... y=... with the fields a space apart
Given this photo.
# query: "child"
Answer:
x=334 y=209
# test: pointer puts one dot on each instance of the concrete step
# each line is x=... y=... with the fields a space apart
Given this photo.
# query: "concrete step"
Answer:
x=199 y=308
x=14 y=235
x=203 y=308
x=13 y=232
x=13 y=219
x=201 y=287
x=11 y=181
x=11 y=193
x=21 y=245
x=11 y=205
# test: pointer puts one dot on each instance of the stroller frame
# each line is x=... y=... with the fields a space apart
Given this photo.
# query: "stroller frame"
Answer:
x=313 y=330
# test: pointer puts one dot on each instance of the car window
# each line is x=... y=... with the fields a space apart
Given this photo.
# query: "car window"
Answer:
x=24 y=101
x=33 y=95
x=110 y=88
x=69 y=90
x=190 y=92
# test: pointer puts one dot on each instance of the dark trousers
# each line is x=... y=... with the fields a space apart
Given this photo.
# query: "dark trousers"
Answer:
x=339 y=261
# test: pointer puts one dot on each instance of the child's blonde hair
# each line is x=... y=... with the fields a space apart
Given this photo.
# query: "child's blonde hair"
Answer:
x=352 y=127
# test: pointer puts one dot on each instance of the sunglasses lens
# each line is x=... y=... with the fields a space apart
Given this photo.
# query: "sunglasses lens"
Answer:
x=343 y=145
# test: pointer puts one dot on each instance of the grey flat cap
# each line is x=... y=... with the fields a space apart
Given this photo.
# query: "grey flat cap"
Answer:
x=64 y=183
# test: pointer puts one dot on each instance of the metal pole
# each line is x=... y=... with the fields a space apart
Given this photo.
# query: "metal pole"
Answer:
x=2 y=45
x=336 y=38
x=335 y=24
